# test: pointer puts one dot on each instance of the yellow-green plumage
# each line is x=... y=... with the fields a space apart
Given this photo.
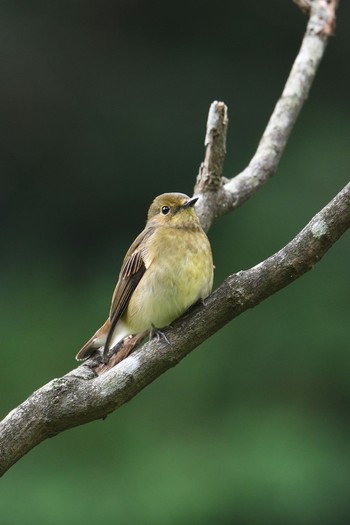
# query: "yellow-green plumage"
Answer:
x=168 y=268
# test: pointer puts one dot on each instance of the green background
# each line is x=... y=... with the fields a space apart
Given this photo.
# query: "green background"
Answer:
x=103 y=106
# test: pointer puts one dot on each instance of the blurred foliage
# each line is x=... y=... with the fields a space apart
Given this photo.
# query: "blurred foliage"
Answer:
x=103 y=106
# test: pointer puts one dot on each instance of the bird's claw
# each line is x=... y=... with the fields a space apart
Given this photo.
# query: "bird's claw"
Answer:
x=158 y=334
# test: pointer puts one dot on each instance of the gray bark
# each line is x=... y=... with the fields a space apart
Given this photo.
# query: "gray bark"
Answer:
x=82 y=396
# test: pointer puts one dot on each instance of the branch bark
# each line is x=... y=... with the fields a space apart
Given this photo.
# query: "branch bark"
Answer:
x=218 y=200
x=80 y=396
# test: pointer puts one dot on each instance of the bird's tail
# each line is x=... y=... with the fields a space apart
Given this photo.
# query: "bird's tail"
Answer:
x=93 y=344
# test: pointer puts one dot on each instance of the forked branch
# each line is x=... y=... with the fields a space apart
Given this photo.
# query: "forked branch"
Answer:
x=219 y=199
x=81 y=396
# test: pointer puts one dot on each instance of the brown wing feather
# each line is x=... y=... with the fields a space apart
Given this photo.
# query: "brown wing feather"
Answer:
x=130 y=275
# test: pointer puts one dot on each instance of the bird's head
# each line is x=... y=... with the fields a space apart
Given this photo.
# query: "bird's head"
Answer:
x=173 y=209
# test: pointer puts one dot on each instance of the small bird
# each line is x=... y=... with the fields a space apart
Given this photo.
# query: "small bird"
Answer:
x=168 y=268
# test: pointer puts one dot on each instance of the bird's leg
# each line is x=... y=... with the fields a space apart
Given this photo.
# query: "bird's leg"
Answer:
x=115 y=349
x=121 y=350
x=158 y=333
x=200 y=302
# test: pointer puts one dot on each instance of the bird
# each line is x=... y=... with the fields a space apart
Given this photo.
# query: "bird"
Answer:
x=167 y=269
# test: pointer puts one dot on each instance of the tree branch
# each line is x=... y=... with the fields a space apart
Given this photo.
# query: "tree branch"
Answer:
x=218 y=200
x=210 y=171
x=80 y=396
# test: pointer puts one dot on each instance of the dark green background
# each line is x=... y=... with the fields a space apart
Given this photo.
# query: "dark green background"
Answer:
x=103 y=106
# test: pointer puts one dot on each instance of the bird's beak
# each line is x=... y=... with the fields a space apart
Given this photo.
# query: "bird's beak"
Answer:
x=190 y=202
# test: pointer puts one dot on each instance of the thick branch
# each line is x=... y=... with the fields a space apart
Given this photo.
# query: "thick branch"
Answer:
x=265 y=161
x=80 y=397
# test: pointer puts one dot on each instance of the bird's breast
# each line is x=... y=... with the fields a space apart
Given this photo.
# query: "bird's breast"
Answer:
x=179 y=271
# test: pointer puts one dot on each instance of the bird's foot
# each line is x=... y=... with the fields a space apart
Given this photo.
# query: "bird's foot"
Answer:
x=155 y=332
x=106 y=357
x=120 y=351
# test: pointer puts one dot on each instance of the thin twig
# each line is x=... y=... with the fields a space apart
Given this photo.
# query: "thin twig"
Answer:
x=210 y=171
x=327 y=26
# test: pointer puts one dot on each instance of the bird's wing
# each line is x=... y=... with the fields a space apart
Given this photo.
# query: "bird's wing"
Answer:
x=130 y=275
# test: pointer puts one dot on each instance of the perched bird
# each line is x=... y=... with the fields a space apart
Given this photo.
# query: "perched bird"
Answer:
x=167 y=268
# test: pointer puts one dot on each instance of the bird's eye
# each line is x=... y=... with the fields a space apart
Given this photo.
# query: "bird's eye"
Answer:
x=165 y=210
